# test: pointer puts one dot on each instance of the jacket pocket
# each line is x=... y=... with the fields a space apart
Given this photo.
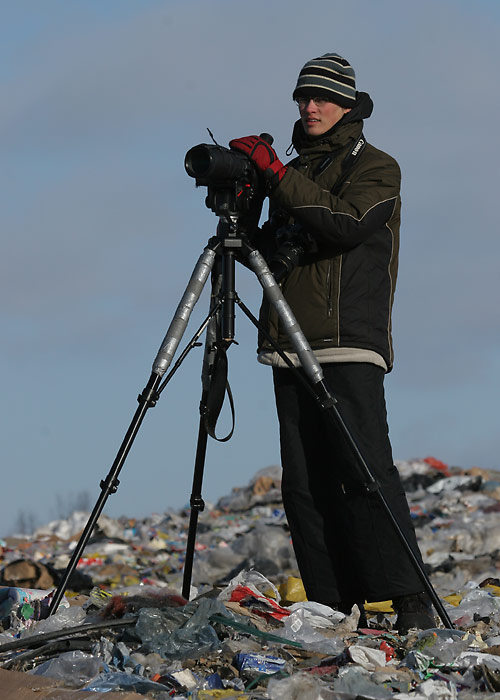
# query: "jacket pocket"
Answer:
x=333 y=286
x=333 y=298
x=329 y=290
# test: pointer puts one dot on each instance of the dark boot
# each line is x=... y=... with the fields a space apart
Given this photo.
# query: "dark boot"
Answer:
x=414 y=612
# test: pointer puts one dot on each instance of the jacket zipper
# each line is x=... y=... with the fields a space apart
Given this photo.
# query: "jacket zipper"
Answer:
x=333 y=294
x=329 y=284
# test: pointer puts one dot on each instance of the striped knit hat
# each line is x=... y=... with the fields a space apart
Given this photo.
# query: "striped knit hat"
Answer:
x=328 y=76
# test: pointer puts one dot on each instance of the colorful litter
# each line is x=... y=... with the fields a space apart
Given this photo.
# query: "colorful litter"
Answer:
x=124 y=630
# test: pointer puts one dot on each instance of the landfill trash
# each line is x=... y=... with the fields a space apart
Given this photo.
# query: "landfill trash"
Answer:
x=120 y=680
x=366 y=657
x=248 y=630
x=313 y=626
x=27 y=603
x=26 y=574
x=300 y=686
x=73 y=667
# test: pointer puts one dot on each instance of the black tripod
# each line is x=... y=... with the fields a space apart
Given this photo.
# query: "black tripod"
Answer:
x=228 y=246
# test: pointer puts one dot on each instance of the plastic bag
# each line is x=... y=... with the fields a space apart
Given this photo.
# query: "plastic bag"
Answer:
x=366 y=657
x=152 y=623
x=300 y=686
x=64 y=617
x=254 y=580
x=73 y=667
x=120 y=680
x=475 y=604
x=192 y=639
x=311 y=624
x=354 y=681
x=444 y=645
x=434 y=690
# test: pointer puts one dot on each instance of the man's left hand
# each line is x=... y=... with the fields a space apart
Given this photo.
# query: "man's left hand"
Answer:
x=262 y=155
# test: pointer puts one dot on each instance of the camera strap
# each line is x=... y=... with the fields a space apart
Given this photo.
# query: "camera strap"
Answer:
x=347 y=164
x=217 y=390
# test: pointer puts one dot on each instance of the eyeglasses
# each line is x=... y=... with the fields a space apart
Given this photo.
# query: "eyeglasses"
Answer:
x=318 y=101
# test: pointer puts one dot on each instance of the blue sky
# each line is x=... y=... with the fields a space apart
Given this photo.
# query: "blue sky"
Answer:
x=102 y=228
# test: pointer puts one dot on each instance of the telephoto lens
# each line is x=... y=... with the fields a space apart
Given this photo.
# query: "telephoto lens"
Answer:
x=285 y=259
x=209 y=163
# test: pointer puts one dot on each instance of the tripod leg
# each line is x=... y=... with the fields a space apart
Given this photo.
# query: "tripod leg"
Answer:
x=327 y=402
x=197 y=506
x=183 y=312
x=147 y=399
x=109 y=485
x=196 y=501
x=275 y=296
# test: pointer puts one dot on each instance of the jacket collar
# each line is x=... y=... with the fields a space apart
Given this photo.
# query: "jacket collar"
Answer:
x=348 y=128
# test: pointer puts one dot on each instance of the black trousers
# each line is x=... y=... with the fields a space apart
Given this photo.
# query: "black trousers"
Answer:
x=346 y=547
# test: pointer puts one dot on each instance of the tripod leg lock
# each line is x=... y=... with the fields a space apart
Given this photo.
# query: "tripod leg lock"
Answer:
x=148 y=397
x=197 y=503
x=110 y=484
x=326 y=400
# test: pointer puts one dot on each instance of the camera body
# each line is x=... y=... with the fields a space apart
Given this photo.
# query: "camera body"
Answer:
x=234 y=185
x=291 y=245
x=236 y=192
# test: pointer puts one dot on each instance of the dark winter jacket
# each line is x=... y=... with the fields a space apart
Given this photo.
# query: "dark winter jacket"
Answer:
x=342 y=291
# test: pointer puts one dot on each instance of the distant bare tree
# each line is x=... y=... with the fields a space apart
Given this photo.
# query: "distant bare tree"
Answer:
x=25 y=523
x=82 y=501
x=66 y=504
x=21 y=525
x=61 y=507
x=32 y=523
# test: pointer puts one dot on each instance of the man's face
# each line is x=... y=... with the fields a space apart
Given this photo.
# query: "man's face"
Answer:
x=318 y=115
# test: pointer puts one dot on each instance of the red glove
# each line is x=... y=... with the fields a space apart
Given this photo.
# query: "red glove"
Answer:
x=263 y=155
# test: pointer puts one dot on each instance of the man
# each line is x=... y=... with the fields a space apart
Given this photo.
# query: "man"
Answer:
x=340 y=199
